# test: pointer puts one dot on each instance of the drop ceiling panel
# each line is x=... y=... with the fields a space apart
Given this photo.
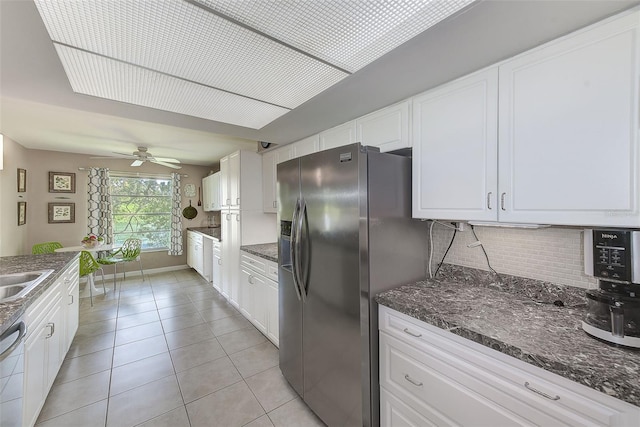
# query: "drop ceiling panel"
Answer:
x=346 y=33
x=186 y=41
x=107 y=78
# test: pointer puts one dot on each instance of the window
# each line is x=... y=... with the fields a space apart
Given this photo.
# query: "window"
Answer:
x=141 y=209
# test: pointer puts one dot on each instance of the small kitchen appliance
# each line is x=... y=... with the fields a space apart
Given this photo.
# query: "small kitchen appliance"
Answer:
x=613 y=310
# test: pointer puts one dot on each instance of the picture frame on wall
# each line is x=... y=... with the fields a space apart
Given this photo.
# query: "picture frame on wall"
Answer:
x=62 y=182
x=22 y=213
x=60 y=213
x=22 y=180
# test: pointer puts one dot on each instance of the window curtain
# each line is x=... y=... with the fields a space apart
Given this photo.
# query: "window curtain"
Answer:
x=100 y=214
x=175 y=247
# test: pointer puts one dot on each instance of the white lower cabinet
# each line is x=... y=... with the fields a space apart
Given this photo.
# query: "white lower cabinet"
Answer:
x=216 y=266
x=71 y=303
x=259 y=294
x=429 y=376
x=51 y=324
x=200 y=253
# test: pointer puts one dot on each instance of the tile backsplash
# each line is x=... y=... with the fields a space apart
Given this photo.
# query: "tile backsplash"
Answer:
x=550 y=254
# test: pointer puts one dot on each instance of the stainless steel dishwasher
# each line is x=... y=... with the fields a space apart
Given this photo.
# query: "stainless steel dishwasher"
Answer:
x=11 y=374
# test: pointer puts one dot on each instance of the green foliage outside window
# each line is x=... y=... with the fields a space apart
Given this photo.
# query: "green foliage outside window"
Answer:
x=141 y=209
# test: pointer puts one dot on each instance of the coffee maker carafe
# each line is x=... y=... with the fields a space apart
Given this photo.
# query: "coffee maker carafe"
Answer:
x=613 y=310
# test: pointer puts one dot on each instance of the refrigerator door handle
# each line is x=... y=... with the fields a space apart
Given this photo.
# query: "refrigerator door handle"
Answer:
x=302 y=270
x=297 y=262
x=292 y=252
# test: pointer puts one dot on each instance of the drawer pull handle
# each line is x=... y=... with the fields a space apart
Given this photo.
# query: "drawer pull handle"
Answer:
x=407 y=331
x=52 y=329
x=412 y=381
x=526 y=384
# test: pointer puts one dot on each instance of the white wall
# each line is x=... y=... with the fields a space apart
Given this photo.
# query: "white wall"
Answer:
x=551 y=254
x=13 y=239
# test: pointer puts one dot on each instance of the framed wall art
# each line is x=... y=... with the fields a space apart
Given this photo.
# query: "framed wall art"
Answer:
x=22 y=213
x=22 y=180
x=60 y=213
x=62 y=182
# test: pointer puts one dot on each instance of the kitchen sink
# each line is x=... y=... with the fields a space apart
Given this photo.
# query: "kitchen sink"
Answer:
x=16 y=285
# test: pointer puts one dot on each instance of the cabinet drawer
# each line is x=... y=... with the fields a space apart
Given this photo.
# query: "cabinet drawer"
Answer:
x=41 y=307
x=253 y=263
x=395 y=413
x=521 y=386
x=272 y=271
x=438 y=390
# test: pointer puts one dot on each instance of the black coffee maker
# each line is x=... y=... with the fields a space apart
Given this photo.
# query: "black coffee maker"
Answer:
x=613 y=311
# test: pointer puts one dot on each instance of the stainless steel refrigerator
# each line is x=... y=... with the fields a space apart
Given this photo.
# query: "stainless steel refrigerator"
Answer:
x=345 y=234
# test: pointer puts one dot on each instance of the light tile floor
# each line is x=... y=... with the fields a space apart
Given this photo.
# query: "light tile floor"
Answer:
x=170 y=351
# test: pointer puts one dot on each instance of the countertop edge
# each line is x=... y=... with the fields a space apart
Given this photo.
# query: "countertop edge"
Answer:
x=17 y=308
x=268 y=251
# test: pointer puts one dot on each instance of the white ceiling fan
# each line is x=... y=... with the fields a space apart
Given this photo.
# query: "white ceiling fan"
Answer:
x=142 y=155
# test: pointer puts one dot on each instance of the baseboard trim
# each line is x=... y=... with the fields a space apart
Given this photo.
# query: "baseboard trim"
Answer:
x=136 y=273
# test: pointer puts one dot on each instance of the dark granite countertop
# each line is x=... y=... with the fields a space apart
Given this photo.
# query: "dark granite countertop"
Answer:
x=12 y=310
x=208 y=232
x=268 y=251
x=518 y=317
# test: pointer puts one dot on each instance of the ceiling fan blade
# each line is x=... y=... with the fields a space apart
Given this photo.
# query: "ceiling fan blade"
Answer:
x=137 y=163
x=110 y=157
x=166 y=159
x=169 y=165
x=125 y=154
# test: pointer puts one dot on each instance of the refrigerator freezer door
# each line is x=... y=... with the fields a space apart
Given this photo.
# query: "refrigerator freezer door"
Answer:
x=289 y=302
x=330 y=260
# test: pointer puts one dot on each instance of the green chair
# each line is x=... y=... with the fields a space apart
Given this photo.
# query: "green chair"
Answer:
x=88 y=266
x=45 y=248
x=130 y=251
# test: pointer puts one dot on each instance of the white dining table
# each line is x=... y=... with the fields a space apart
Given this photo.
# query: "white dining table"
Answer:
x=91 y=287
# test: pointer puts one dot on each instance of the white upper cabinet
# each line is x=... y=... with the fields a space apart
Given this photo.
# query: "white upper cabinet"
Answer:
x=270 y=160
x=338 y=136
x=387 y=129
x=569 y=127
x=567 y=135
x=305 y=146
x=225 y=197
x=455 y=149
x=211 y=192
x=239 y=173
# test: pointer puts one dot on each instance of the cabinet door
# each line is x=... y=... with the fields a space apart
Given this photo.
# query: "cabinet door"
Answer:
x=246 y=302
x=305 y=146
x=270 y=162
x=338 y=136
x=272 y=312
x=190 y=249
x=269 y=182
x=234 y=179
x=217 y=270
x=206 y=193
x=259 y=307
x=387 y=129
x=455 y=149
x=232 y=259
x=55 y=344
x=569 y=129
x=72 y=309
x=214 y=192
x=34 y=373
x=225 y=219
x=197 y=257
x=225 y=197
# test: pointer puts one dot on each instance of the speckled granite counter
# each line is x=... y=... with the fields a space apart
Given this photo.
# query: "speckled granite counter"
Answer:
x=518 y=317
x=208 y=231
x=268 y=251
x=12 y=310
